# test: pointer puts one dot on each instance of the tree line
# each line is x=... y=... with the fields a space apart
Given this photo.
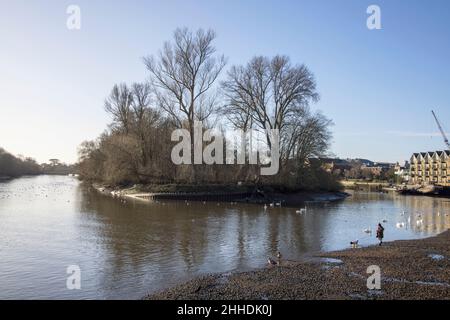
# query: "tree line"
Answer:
x=15 y=166
x=12 y=166
x=187 y=82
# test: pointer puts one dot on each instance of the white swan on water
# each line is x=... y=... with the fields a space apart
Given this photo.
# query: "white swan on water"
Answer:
x=400 y=225
x=368 y=230
x=301 y=210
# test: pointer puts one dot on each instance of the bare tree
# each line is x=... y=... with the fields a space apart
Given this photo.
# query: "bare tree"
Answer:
x=183 y=75
x=306 y=136
x=144 y=119
x=267 y=93
x=141 y=100
x=118 y=104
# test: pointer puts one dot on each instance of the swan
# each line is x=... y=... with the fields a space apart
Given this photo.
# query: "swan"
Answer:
x=368 y=230
x=301 y=210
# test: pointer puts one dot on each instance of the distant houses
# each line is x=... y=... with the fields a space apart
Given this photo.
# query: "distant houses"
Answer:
x=430 y=168
x=358 y=168
x=403 y=172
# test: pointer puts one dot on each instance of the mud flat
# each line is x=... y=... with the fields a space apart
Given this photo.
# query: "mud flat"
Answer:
x=410 y=269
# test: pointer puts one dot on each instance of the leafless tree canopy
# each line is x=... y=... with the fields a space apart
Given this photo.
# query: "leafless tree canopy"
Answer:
x=118 y=104
x=274 y=94
x=269 y=91
x=266 y=93
x=183 y=75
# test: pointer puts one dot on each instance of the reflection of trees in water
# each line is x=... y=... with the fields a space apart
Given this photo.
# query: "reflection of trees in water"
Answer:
x=160 y=241
x=140 y=234
x=158 y=237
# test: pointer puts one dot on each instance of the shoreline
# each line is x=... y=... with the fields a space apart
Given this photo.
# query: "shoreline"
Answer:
x=410 y=269
x=240 y=195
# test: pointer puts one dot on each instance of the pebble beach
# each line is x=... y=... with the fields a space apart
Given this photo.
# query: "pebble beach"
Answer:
x=410 y=269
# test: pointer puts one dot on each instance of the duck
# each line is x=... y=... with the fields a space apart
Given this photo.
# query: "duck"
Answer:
x=419 y=222
x=279 y=256
x=368 y=230
x=271 y=262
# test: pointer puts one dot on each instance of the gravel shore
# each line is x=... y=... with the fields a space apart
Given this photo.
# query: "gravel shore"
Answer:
x=410 y=269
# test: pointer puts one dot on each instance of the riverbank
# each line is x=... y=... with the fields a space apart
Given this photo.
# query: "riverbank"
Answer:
x=410 y=269
x=430 y=191
x=242 y=194
x=365 y=185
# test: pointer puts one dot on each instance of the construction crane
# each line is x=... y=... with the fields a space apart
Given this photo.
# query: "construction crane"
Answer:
x=442 y=130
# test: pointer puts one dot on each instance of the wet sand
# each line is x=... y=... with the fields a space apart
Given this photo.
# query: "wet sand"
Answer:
x=410 y=269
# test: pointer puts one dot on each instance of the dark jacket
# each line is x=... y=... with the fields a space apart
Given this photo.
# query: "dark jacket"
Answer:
x=380 y=232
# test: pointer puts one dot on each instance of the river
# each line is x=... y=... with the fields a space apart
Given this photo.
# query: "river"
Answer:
x=127 y=250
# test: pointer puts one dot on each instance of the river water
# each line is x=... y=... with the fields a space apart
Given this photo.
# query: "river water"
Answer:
x=127 y=250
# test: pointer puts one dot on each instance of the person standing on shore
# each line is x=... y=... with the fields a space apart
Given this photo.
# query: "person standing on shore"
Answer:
x=380 y=233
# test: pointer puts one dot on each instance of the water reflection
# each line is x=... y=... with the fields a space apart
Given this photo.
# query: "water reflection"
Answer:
x=126 y=250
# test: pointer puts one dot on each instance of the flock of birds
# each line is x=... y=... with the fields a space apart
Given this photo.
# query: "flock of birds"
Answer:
x=399 y=225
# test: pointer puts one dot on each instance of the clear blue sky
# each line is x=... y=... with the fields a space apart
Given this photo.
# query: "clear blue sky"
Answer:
x=378 y=86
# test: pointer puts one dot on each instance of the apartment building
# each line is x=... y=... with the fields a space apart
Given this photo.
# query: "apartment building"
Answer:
x=430 y=168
